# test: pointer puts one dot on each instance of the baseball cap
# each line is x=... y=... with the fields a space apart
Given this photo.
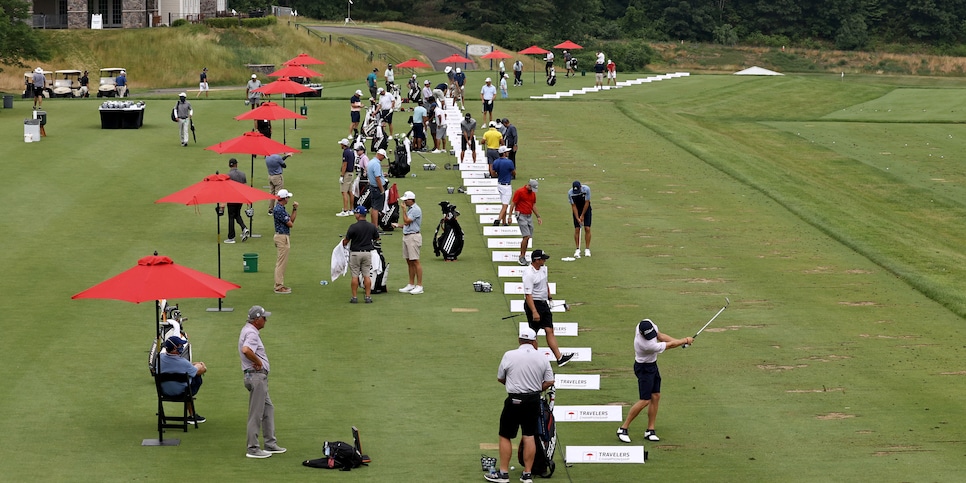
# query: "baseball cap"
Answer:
x=576 y=186
x=458 y=70
x=646 y=328
x=344 y=142
x=488 y=80
x=409 y=195
x=426 y=82
x=358 y=92
x=182 y=95
x=359 y=147
x=381 y=90
x=527 y=333
x=232 y=162
x=374 y=69
x=534 y=185
x=414 y=76
x=539 y=255
x=254 y=76
x=257 y=311
x=382 y=152
x=360 y=210
x=446 y=70
x=468 y=115
x=283 y=194
x=174 y=342
x=492 y=124
x=503 y=149
x=505 y=121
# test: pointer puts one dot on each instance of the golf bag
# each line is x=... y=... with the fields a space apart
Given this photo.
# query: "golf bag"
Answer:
x=172 y=324
x=389 y=214
x=545 y=439
x=379 y=276
x=448 y=240
x=372 y=129
x=552 y=77
x=415 y=93
x=399 y=168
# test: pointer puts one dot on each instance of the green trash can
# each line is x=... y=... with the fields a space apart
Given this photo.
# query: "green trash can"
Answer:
x=305 y=143
x=251 y=262
x=304 y=110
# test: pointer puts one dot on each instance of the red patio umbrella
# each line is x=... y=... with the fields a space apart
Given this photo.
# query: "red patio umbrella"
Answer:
x=255 y=144
x=455 y=59
x=303 y=59
x=295 y=70
x=283 y=86
x=269 y=111
x=412 y=64
x=496 y=54
x=217 y=188
x=534 y=50
x=567 y=45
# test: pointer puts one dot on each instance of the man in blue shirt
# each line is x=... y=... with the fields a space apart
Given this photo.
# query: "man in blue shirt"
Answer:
x=171 y=362
x=283 y=226
x=371 y=82
x=503 y=170
x=377 y=189
x=579 y=198
x=275 y=164
x=460 y=79
x=120 y=84
x=412 y=241
x=420 y=121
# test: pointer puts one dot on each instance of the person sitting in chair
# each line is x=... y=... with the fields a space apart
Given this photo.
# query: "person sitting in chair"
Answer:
x=172 y=363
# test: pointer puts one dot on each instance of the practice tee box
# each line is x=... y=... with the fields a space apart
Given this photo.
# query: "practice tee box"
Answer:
x=604 y=454
x=516 y=288
x=510 y=256
x=480 y=182
x=482 y=190
x=470 y=175
x=510 y=271
x=501 y=230
x=560 y=329
x=507 y=243
x=484 y=198
x=478 y=166
x=584 y=414
x=488 y=209
x=555 y=306
x=581 y=354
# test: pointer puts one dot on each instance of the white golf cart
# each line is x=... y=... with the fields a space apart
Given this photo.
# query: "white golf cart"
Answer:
x=67 y=83
x=28 y=81
x=108 y=84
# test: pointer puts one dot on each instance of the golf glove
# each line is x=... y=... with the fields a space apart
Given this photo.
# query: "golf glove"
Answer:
x=341 y=179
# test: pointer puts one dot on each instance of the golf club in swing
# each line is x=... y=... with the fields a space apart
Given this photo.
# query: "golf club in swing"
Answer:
x=727 y=303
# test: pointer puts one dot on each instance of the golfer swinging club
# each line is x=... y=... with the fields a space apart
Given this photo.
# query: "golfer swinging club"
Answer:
x=648 y=343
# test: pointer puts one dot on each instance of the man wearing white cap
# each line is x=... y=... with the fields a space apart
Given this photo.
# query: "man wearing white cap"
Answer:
x=377 y=189
x=355 y=113
x=526 y=373
x=487 y=95
x=283 y=227
x=39 y=82
x=427 y=92
x=252 y=96
x=412 y=242
x=387 y=103
x=183 y=111
x=120 y=84
x=346 y=177
x=255 y=367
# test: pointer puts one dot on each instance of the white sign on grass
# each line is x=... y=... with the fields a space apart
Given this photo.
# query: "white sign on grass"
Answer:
x=516 y=288
x=510 y=271
x=560 y=329
x=605 y=454
x=583 y=414
x=576 y=381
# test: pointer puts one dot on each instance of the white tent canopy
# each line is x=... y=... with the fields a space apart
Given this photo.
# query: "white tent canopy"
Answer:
x=757 y=71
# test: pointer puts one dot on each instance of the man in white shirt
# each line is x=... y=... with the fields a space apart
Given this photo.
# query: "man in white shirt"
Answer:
x=488 y=95
x=387 y=104
x=390 y=78
x=536 y=304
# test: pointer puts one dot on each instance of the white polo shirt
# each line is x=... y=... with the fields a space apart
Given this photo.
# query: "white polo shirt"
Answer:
x=524 y=370
x=647 y=350
x=535 y=283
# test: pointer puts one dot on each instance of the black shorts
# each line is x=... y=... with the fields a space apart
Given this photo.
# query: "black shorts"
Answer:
x=522 y=413
x=377 y=199
x=471 y=142
x=419 y=130
x=648 y=379
x=387 y=116
x=355 y=116
x=546 y=316
x=588 y=218
x=488 y=106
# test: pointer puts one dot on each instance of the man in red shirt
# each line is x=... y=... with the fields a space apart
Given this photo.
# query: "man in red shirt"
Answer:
x=524 y=204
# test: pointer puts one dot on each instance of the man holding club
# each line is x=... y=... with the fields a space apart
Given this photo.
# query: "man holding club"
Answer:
x=536 y=303
x=648 y=343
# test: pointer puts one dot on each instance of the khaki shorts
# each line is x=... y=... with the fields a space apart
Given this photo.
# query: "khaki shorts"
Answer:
x=599 y=76
x=360 y=263
x=346 y=185
x=411 y=245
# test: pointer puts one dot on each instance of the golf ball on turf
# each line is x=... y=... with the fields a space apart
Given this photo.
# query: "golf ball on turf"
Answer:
x=513 y=468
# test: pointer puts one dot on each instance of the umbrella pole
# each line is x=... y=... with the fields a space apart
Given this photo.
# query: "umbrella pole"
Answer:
x=251 y=206
x=218 y=212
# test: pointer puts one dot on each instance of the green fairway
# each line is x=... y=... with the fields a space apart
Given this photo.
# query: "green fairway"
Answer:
x=828 y=211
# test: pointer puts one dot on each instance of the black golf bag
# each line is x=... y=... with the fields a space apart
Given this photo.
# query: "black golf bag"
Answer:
x=545 y=439
x=372 y=129
x=399 y=168
x=448 y=240
x=389 y=214
x=552 y=77
x=379 y=281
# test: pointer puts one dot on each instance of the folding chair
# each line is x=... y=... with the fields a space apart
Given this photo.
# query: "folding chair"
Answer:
x=185 y=397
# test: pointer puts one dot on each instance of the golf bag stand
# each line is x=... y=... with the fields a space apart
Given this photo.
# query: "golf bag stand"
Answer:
x=448 y=240
x=545 y=439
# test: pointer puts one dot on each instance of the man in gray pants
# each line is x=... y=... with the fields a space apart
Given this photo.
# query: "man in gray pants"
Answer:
x=254 y=362
x=183 y=111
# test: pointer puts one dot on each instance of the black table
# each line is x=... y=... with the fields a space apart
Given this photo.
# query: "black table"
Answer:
x=130 y=118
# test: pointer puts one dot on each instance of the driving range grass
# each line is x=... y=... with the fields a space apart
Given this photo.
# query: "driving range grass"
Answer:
x=840 y=357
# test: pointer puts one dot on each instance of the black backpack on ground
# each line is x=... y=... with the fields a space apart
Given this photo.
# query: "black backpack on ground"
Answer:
x=338 y=455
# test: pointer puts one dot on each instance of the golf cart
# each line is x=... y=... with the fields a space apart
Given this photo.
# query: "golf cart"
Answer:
x=28 y=81
x=108 y=86
x=66 y=83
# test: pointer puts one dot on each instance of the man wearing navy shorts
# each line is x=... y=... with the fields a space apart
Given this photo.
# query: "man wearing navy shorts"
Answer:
x=579 y=198
x=648 y=343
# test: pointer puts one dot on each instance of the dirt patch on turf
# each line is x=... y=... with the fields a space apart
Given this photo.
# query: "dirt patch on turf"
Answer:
x=464 y=310
x=830 y=389
x=776 y=367
x=887 y=336
x=626 y=306
x=733 y=327
x=828 y=358
x=709 y=218
x=830 y=416
x=864 y=303
x=857 y=271
x=899 y=449
x=818 y=270
x=493 y=446
x=703 y=280
x=607 y=198
x=957 y=373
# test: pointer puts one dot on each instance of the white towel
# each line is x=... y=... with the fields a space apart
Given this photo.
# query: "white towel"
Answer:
x=340 y=260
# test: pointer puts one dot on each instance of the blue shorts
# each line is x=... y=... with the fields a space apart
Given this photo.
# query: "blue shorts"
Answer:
x=355 y=116
x=648 y=379
x=588 y=218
